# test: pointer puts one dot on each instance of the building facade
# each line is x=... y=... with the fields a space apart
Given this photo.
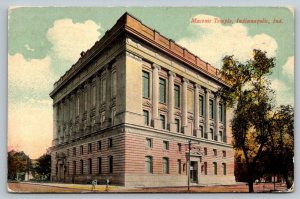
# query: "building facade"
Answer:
x=126 y=110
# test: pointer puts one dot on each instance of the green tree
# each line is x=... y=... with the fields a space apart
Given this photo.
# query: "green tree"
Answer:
x=43 y=166
x=250 y=97
x=18 y=164
x=281 y=143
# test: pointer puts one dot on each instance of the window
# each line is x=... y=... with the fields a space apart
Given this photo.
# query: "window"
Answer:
x=177 y=125
x=74 y=167
x=110 y=143
x=201 y=105
x=90 y=165
x=99 y=145
x=205 y=151
x=103 y=86
x=81 y=166
x=166 y=145
x=68 y=152
x=224 y=154
x=81 y=150
x=176 y=96
x=114 y=84
x=163 y=121
x=179 y=166
x=149 y=142
x=146 y=90
x=110 y=164
x=162 y=90
x=165 y=165
x=94 y=96
x=149 y=164
x=68 y=168
x=146 y=117
x=224 y=168
x=211 y=133
x=201 y=131
x=215 y=152
x=205 y=168
x=90 y=148
x=99 y=165
x=220 y=136
x=215 y=168
x=211 y=109
x=77 y=105
x=85 y=100
x=221 y=113
x=74 y=151
x=179 y=147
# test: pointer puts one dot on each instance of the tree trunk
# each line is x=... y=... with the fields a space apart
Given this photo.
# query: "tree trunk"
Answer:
x=250 y=178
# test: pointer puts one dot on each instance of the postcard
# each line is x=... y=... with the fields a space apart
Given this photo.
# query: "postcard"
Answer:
x=150 y=99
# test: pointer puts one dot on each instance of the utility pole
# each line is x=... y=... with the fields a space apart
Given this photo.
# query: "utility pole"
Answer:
x=189 y=164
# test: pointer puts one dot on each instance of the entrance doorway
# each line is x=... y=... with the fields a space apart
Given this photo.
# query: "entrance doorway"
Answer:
x=61 y=173
x=194 y=172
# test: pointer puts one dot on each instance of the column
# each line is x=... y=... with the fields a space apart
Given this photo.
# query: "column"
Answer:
x=88 y=108
x=207 y=94
x=216 y=132
x=184 y=105
x=54 y=142
x=107 y=121
x=80 y=115
x=98 y=101
x=196 y=111
x=63 y=119
x=171 y=102
x=155 y=95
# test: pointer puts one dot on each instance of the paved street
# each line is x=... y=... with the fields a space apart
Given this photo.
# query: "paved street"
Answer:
x=77 y=188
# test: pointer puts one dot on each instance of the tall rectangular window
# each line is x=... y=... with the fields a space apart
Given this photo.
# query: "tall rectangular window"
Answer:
x=215 y=168
x=149 y=164
x=111 y=164
x=81 y=166
x=165 y=165
x=90 y=148
x=114 y=84
x=205 y=168
x=163 y=121
x=211 y=109
x=176 y=96
x=146 y=83
x=99 y=165
x=74 y=151
x=179 y=147
x=166 y=145
x=74 y=167
x=110 y=143
x=177 y=125
x=205 y=151
x=81 y=150
x=179 y=166
x=99 y=145
x=90 y=165
x=94 y=96
x=146 y=117
x=162 y=90
x=103 y=89
x=221 y=112
x=202 y=131
x=224 y=168
x=149 y=142
x=201 y=105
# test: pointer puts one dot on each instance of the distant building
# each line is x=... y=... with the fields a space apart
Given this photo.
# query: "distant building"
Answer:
x=128 y=107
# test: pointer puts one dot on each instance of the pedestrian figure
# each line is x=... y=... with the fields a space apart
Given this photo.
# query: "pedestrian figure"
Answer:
x=94 y=183
x=107 y=182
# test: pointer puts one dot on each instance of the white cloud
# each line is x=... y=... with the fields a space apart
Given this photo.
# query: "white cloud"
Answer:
x=30 y=127
x=212 y=41
x=284 y=93
x=69 y=38
x=31 y=73
x=288 y=67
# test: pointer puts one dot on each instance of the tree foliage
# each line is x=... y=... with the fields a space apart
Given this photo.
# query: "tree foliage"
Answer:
x=251 y=98
x=18 y=164
x=43 y=166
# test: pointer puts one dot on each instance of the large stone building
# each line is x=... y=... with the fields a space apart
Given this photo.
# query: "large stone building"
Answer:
x=127 y=109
